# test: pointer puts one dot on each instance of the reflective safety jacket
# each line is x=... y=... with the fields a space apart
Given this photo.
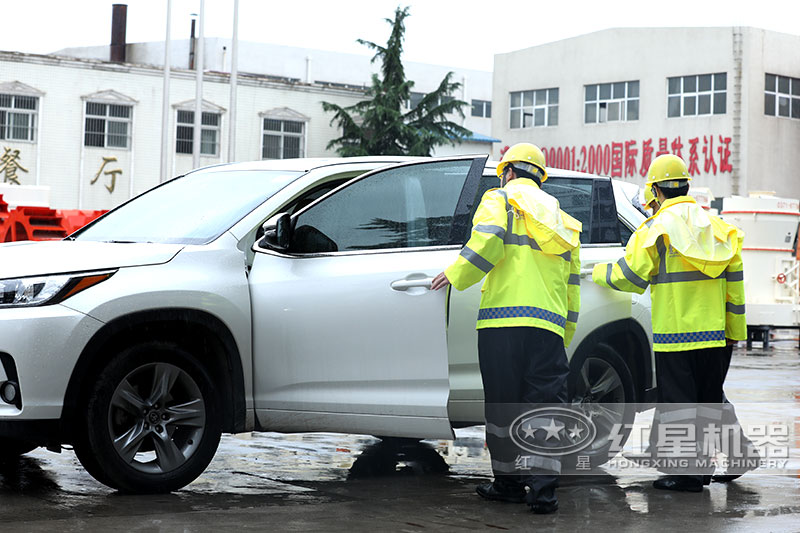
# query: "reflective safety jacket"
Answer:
x=530 y=250
x=692 y=261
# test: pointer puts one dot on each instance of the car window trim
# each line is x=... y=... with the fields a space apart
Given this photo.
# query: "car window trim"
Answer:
x=441 y=247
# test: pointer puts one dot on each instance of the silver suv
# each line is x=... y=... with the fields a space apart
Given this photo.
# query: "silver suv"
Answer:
x=286 y=296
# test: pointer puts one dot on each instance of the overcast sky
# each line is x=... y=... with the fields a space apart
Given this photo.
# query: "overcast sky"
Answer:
x=461 y=33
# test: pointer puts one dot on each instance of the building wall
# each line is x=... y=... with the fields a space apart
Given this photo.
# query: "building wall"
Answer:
x=772 y=155
x=306 y=65
x=651 y=55
x=59 y=160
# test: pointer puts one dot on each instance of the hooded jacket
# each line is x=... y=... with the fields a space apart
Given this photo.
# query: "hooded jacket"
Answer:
x=530 y=250
x=692 y=262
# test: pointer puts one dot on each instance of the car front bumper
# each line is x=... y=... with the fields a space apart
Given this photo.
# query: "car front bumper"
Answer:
x=39 y=347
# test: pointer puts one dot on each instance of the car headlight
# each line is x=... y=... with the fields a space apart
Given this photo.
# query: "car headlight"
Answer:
x=46 y=290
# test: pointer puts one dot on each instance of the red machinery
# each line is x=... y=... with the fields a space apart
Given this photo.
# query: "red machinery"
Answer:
x=27 y=223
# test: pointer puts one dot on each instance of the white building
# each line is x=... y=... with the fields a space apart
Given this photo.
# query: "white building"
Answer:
x=88 y=130
x=726 y=99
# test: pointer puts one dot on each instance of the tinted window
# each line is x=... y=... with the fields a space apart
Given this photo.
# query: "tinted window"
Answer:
x=405 y=207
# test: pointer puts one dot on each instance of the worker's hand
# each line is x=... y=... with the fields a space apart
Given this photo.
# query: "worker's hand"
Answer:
x=731 y=342
x=439 y=282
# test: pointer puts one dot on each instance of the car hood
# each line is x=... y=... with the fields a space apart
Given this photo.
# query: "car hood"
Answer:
x=33 y=258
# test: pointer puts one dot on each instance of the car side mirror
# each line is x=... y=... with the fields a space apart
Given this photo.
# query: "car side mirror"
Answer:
x=277 y=232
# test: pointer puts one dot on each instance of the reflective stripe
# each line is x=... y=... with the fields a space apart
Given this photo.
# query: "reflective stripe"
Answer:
x=609 y=267
x=661 y=249
x=572 y=316
x=678 y=415
x=494 y=230
x=630 y=275
x=574 y=279
x=709 y=413
x=733 y=308
x=521 y=311
x=475 y=258
x=679 y=277
x=520 y=240
x=526 y=462
x=524 y=240
x=734 y=276
x=695 y=336
x=497 y=431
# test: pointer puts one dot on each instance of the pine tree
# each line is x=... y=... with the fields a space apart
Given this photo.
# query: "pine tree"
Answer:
x=381 y=124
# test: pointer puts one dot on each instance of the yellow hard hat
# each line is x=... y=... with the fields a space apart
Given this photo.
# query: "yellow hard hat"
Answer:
x=648 y=196
x=527 y=157
x=668 y=171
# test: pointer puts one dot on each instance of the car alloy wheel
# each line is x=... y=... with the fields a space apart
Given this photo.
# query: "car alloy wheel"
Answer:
x=157 y=418
x=153 y=420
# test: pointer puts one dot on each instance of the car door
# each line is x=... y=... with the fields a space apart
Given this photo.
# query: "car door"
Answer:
x=592 y=202
x=347 y=334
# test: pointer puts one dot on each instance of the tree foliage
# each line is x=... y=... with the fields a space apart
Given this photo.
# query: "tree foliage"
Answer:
x=381 y=124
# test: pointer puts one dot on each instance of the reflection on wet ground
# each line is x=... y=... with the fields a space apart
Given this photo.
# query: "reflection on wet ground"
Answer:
x=335 y=482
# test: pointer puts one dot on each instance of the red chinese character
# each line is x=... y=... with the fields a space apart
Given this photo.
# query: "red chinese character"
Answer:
x=709 y=165
x=630 y=158
x=662 y=146
x=616 y=160
x=693 y=168
x=676 y=146
x=647 y=156
x=724 y=154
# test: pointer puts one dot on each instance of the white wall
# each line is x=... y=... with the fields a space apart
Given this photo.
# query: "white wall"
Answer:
x=651 y=55
x=67 y=167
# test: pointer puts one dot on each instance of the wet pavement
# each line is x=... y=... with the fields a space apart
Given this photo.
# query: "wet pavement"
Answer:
x=330 y=482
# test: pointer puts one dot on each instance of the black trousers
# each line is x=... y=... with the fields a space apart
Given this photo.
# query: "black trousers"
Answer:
x=520 y=366
x=691 y=377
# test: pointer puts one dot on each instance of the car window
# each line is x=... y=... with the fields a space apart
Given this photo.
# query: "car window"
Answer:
x=404 y=207
x=192 y=209
x=624 y=232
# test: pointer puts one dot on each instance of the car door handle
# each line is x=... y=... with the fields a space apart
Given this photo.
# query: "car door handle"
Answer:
x=405 y=284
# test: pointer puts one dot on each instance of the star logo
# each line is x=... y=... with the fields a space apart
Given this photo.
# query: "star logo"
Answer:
x=528 y=430
x=575 y=432
x=552 y=430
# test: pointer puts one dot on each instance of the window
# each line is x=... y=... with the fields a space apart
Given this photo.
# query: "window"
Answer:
x=481 y=108
x=697 y=95
x=18 y=117
x=781 y=96
x=209 y=133
x=406 y=207
x=414 y=100
x=282 y=139
x=107 y=125
x=611 y=102
x=534 y=108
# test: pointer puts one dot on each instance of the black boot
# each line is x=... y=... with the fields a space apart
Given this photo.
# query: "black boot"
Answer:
x=500 y=492
x=679 y=483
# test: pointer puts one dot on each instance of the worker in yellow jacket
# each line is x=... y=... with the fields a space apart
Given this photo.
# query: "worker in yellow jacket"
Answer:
x=692 y=262
x=529 y=251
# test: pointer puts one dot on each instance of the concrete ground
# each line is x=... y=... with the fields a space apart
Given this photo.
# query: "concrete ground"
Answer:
x=327 y=482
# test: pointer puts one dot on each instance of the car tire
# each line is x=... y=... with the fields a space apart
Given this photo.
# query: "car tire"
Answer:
x=601 y=383
x=11 y=449
x=153 y=420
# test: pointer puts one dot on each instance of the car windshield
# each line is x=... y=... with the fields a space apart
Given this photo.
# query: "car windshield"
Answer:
x=192 y=209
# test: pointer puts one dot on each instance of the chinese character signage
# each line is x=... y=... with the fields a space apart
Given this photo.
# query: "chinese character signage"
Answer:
x=706 y=154
x=9 y=165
